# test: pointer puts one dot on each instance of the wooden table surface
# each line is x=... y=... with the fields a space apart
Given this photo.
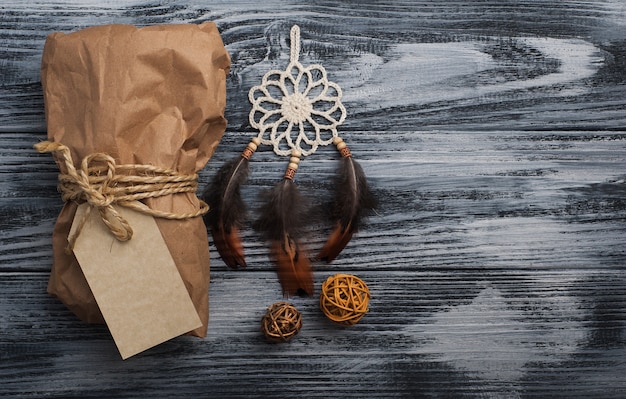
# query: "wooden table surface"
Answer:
x=494 y=135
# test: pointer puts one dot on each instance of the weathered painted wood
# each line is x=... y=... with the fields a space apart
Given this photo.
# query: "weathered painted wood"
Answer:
x=494 y=135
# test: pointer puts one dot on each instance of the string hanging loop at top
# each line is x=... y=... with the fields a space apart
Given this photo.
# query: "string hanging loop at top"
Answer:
x=295 y=43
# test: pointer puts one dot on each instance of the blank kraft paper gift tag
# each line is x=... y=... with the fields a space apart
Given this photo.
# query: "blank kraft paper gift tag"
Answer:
x=136 y=283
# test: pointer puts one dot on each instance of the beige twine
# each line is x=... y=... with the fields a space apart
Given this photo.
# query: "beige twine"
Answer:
x=101 y=183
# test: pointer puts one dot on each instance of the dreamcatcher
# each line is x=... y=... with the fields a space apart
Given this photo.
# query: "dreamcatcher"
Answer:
x=296 y=111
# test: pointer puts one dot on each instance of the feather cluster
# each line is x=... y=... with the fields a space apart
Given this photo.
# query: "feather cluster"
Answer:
x=353 y=202
x=281 y=221
x=227 y=210
x=283 y=215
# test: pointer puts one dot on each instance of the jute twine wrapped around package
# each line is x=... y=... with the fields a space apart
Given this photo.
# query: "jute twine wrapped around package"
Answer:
x=144 y=96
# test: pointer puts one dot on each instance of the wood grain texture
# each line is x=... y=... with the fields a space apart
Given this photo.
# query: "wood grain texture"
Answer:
x=493 y=133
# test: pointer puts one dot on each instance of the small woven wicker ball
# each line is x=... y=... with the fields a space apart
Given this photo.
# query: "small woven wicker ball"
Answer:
x=344 y=299
x=281 y=322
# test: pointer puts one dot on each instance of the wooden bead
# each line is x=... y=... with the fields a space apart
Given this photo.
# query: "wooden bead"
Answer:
x=251 y=148
x=337 y=140
x=296 y=153
x=247 y=152
x=290 y=173
x=341 y=145
x=295 y=160
x=293 y=166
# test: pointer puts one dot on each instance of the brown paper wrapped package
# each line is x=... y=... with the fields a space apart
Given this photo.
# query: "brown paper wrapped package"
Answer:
x=153 y=96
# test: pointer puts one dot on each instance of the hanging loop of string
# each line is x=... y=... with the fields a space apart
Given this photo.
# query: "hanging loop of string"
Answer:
x=295 y=43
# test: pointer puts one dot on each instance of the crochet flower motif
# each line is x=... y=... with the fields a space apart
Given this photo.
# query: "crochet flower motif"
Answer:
x=298 y=108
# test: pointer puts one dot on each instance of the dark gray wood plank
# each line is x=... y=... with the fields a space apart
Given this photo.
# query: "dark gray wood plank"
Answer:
x=455 y=333
x=494 y=135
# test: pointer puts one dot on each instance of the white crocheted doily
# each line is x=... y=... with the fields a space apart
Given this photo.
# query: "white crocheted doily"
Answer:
x=298 y=108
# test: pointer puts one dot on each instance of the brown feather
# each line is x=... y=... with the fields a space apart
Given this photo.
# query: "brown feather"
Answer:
x=281 y=220
x=227 y=210
x=336 y=242
x=292 y=267
x=229 y=246
x=353 y=202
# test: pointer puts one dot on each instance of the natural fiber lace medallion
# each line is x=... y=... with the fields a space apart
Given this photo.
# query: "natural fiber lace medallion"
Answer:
x=296 y=111
x=298 y=108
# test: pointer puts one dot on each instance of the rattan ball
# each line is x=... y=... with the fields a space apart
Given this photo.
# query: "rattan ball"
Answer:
x=344 y=299
x=281 y=322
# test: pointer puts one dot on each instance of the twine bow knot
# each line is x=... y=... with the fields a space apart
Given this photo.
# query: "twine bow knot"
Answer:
x=97 y=192
x=102 y=183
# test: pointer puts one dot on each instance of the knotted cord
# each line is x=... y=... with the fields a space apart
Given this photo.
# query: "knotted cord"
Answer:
x=102 y=183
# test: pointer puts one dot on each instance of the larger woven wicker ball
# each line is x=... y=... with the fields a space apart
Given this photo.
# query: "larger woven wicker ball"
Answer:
x=344 y=298
x=281 y=322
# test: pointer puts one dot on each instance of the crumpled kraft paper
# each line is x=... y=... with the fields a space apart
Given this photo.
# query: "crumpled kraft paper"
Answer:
x=153 y=95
